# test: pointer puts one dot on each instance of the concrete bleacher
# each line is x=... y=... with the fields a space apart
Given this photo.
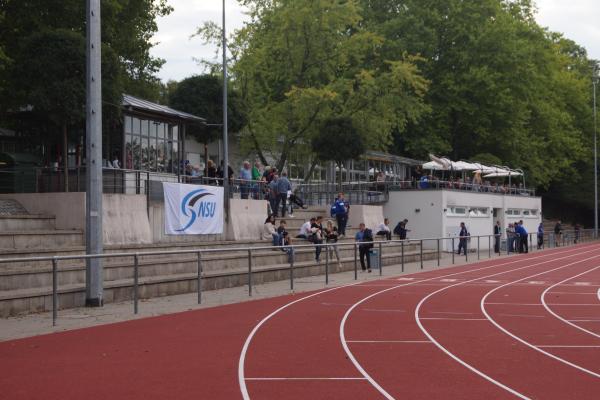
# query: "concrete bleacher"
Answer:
x=27 y=286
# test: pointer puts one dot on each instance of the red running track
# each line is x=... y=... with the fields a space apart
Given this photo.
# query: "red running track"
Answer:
x=521 y=327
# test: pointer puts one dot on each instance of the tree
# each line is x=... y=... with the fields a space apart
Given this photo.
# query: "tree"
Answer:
x=202 y=95
x=338 y=141
x=299 y=62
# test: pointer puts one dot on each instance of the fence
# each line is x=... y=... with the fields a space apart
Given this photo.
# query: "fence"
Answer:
x=473 y=249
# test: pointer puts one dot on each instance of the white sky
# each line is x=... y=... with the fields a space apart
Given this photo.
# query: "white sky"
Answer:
x=578 y=20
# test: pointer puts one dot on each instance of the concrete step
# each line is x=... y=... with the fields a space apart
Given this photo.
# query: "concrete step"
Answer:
x=40 y=239
x=15 y=302
x=26 y=222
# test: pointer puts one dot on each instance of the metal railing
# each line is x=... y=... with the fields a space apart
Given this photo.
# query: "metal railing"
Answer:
x=378 y=249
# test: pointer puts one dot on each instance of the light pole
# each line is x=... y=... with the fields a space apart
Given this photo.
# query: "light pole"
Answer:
x=225 y=136
x=594 y=83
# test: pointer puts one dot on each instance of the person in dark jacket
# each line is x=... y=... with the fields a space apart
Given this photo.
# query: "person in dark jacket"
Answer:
x=341 y=210
x=557 y=233
x=497 y=232
x=540 y=236
x=317 y=233
x=463 y=236
x=523 y=236
x=401 y=230
x=365 y=239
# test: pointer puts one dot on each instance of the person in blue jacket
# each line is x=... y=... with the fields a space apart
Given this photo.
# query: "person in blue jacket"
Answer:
x=340 y=211
x=522 y=232
x=463 y=237
x=540 y=236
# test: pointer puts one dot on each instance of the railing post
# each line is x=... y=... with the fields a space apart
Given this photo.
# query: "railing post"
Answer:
x=421 y=253
x=54 y=290
x=467 y=241
x=326 y=264
x=292 y=274
x=478 y=247
x=199 y=254
x=355 y=261
x=249 y=272
x=380 y=259
x=490 y=245
x=452 y=250
x=402 y=254
x=135 y=282
x=438 y=252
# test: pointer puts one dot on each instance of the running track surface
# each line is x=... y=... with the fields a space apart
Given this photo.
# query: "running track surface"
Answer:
x=522 y=327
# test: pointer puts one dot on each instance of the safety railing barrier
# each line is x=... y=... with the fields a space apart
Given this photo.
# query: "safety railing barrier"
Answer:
x=439 y=245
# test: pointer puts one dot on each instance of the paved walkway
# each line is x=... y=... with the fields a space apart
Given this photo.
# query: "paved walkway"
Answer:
x=38 y=324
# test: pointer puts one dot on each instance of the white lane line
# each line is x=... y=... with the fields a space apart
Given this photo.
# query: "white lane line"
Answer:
x=372 y=381
x=577 y=293
x=521 y=316
x=455 y=319
x=359 y=378
x=451 y=313
x=242 y=360
x=377 y=310
x=598 y=293
x=389 y=341
x=573 y=304
x=583 y=320
x=523 y=341
x=458 y=359
x=570 y=346
x=514 y=304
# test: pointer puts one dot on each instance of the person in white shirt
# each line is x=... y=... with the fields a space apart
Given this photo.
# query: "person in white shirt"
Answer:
x=384 y=230
x=305 y=230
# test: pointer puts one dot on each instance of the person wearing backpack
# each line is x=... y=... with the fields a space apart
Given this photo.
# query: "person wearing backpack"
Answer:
x=365 y=239
x=463 y=236
x=340 y=210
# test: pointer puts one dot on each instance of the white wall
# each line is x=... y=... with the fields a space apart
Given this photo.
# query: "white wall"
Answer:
x=424 y=223
x=371 y=216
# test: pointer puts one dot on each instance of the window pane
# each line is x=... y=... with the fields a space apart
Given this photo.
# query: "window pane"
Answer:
x=168 y=157
x=160 y=156
x=175 y=157
x=153 y=129
x=152 y=155
x=136 y=152
x=128 y=152
x=161 y=131
x=128 y=124
x=144 y=127
x=144 y=165
x=175 y=132
x=136 y=126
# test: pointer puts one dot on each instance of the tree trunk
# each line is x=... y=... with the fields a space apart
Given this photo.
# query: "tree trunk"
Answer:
x=65 y=155
x=310 y=171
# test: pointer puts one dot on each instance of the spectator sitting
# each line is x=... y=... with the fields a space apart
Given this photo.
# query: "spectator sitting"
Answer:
x=304 y=232
x=316 y=229
x=401 y=230
x=269 y=232
x=384 y=230
x=116 y=164
x=286 y=240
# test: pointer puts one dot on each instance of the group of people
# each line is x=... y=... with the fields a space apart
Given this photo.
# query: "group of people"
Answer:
x=475 y=184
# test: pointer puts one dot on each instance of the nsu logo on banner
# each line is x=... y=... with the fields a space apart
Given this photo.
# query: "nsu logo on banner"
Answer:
x=193 y=209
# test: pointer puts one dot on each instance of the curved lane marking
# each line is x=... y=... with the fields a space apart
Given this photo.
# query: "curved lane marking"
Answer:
x=523 y=341
x=547 y=307
x=366 y=374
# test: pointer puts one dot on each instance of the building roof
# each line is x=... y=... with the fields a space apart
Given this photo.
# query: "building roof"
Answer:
x=381 y=156
x=147 y=106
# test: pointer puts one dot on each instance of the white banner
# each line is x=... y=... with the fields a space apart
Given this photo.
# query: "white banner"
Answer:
x=193 y=209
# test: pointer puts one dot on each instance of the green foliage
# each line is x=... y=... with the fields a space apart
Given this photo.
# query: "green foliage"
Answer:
x=301 y=62
x=202 y=95
x=339 y=141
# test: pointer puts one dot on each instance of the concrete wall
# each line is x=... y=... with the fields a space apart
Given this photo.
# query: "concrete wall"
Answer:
x=157 y=227
x=125 y=219
x=68 y=208
x=371 y=216
x=247 y=219
x=423 y=209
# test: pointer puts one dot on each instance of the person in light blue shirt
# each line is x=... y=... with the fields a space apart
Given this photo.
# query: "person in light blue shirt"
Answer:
x=283 y=187
x=245 y=177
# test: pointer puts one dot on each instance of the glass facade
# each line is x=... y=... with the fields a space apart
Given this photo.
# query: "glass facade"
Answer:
x=151 y=145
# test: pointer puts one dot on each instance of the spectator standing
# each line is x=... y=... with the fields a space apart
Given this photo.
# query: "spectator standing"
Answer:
x=256 y=178
x=522 y=238
x=245 y=177
x=510 y=238
x=540 y=236
x=365 y=239
x=384 y=229
x=316 y=230
x=463 y=236
x=341 y=210
x=304 y=232
x=558 y=233
x=269 y=232
x=284 y=187
x=497 y=233
x=274 y=195
x=331 y=238
x=211 y=172
x=577 y=233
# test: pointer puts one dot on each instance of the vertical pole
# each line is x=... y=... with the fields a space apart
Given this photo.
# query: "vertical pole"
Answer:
x=249 y=272
x=326 y=264
x=93 y=220
x=135 y=282
x=199 y=284
x=421 y=253
x=226 y=183
x=380 y=259
x=478 y=248
x=594 y=83
x=438 y=252
x=54 y=290
x=452 y=250
x=402 y=254
x=355 y=261
x=292 y=275
x=490 y=245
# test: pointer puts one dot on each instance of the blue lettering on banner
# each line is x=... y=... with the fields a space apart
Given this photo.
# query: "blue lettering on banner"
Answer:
x=206 y=209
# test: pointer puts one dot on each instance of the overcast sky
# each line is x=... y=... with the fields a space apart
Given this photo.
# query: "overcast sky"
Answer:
x=577 y=19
